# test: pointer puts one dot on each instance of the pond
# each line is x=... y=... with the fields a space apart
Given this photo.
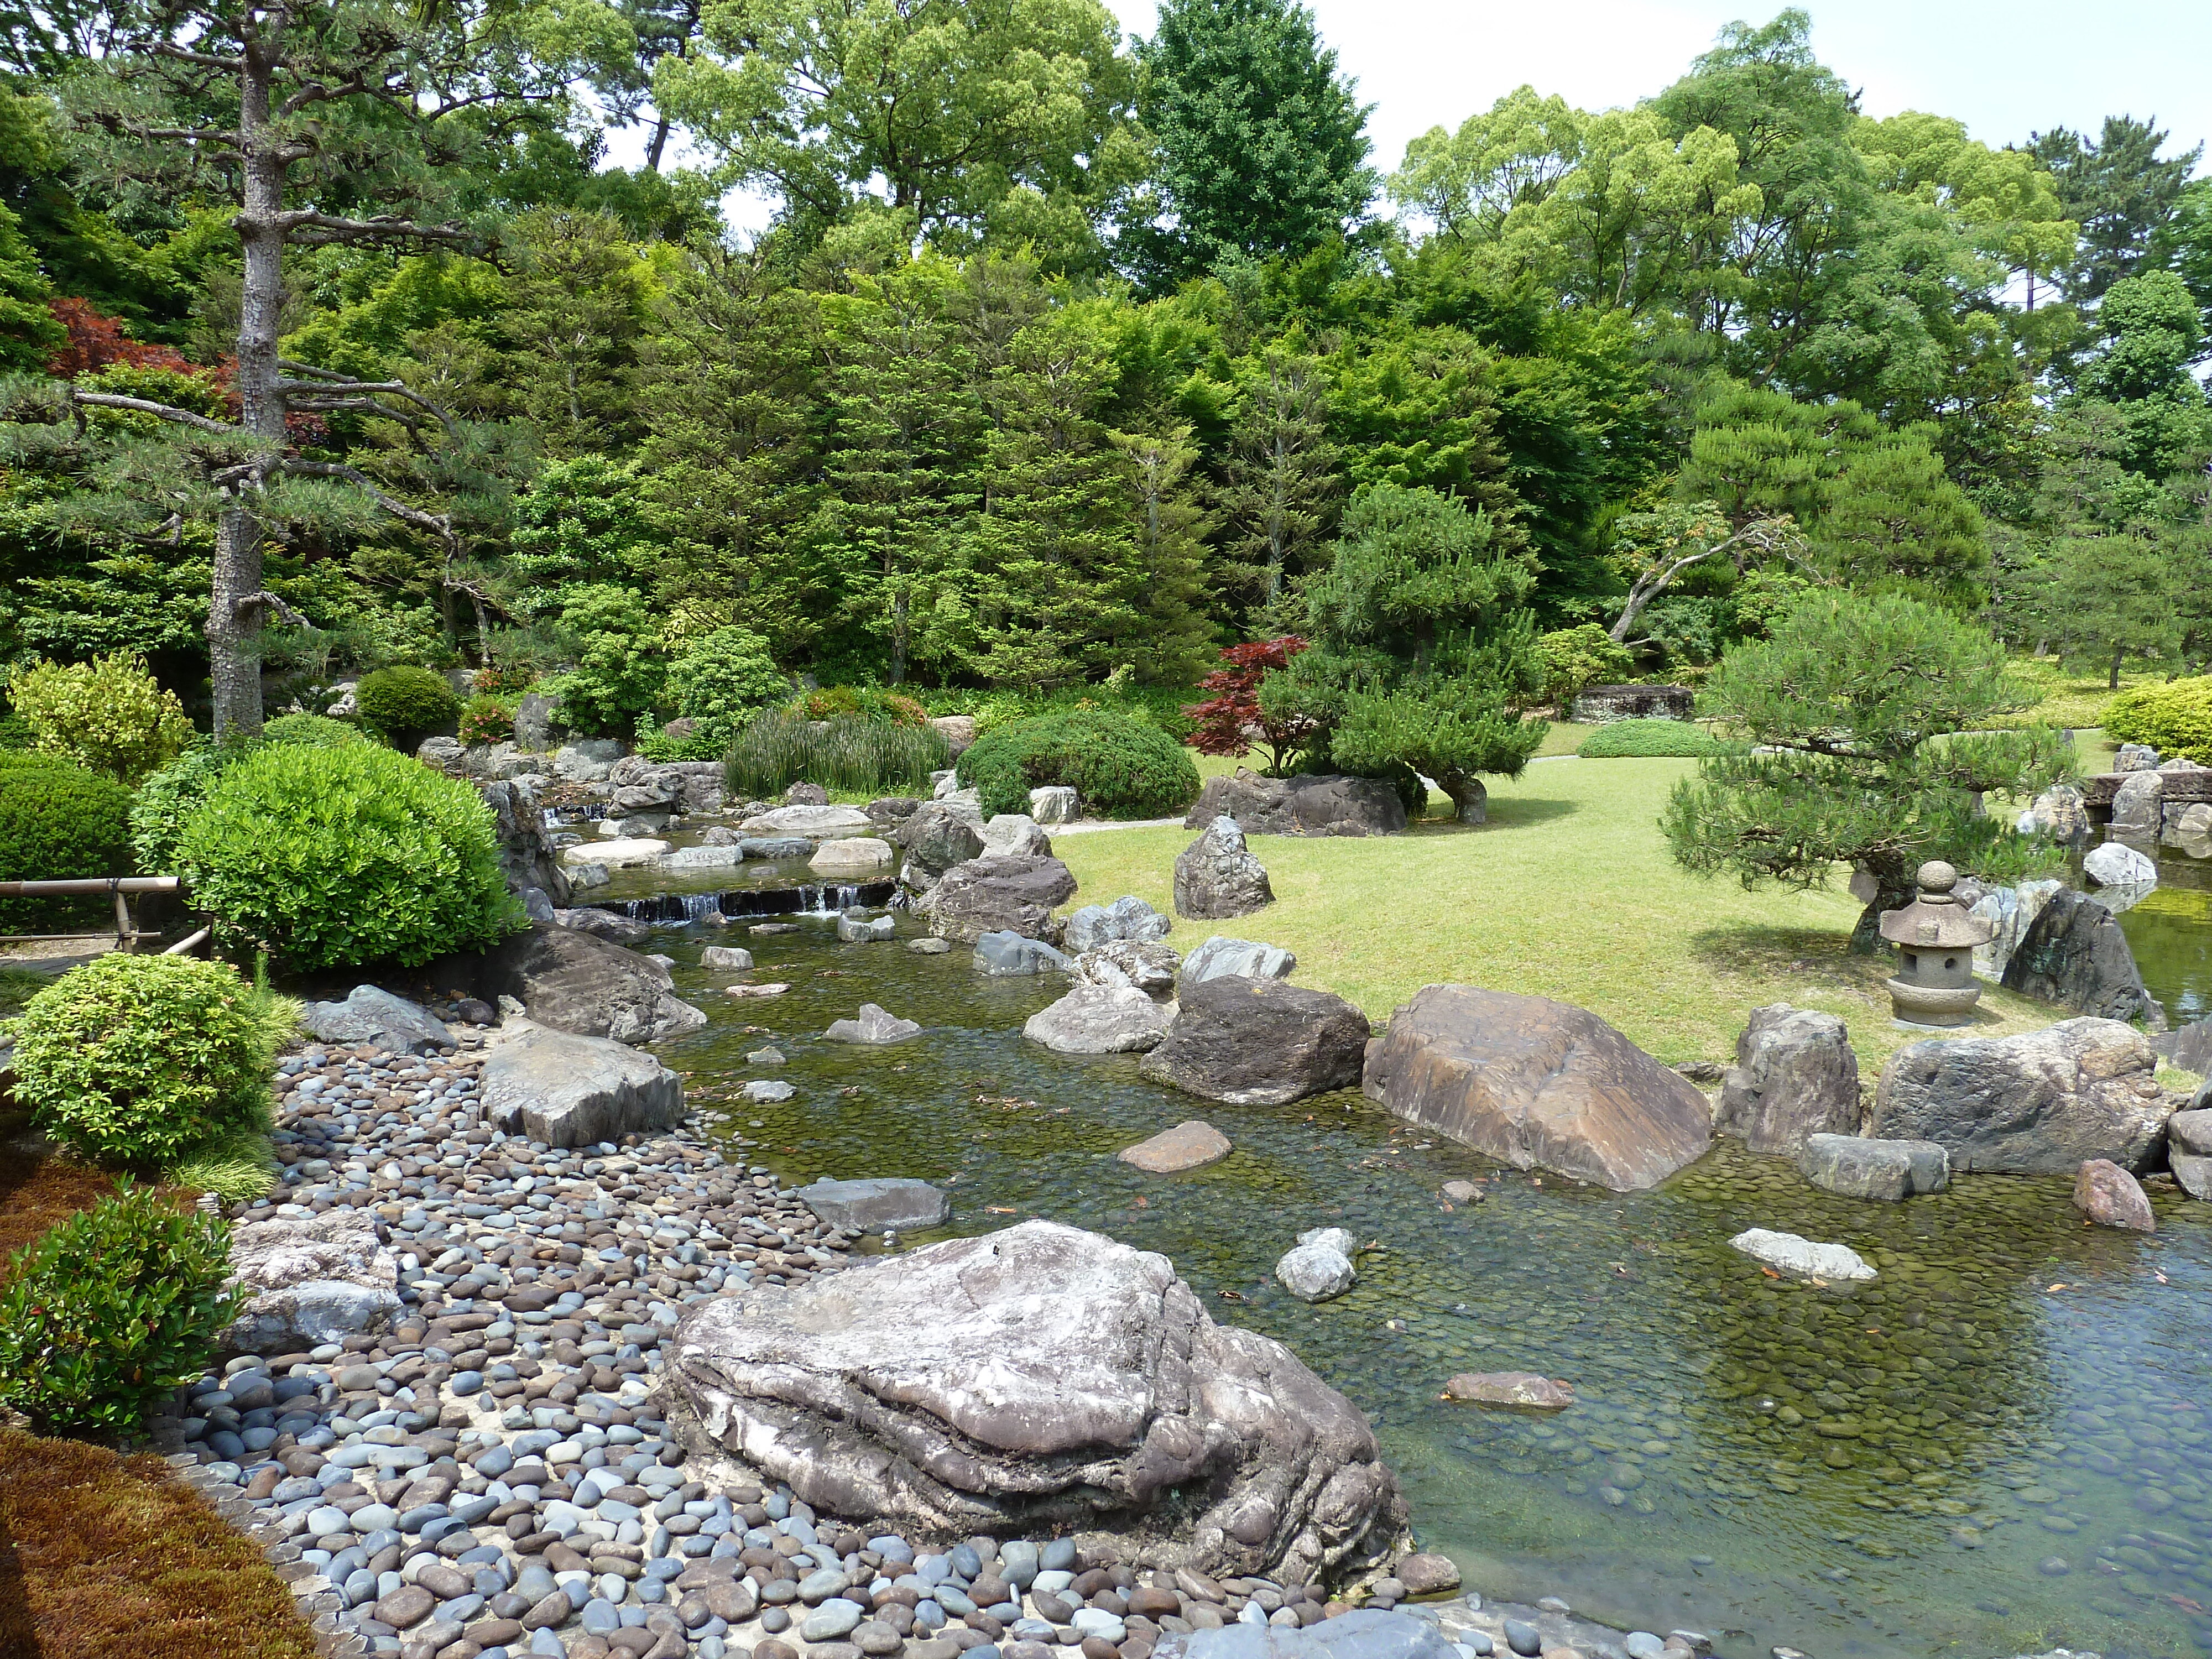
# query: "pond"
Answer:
x=1996 y=1448
x=2170 y=931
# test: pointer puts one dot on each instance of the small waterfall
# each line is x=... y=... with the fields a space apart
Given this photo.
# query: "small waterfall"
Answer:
x=808 y=899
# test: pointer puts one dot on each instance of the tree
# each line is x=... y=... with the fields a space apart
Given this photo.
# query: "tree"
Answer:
x=2119 y=190
x=1860 y=740
x=1280 y=474
x=1662 y=546
x=1422 y=649
x=579 y=299
x=1262 y=145
x=1230 y=720
x=1469 y=183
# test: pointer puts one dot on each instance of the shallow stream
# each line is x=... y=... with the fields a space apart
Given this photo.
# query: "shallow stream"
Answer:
x=2170 y=931
x=1995 y=1449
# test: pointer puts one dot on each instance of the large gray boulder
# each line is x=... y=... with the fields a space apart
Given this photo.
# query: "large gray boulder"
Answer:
x=1217 y=875
x=815 y=823
x=2189 y=1145
x=1220 y=957
x=570 y=1090
x=1146 y=965
x=1794 y=1075
x=1034 y=1383
x=575 y=982
x=533 y=722
x=1538 y=1084
x=881 y=1205
x=310 y=1280
x=2011 y=911
x=527 y=857
x=1096 y=1019
x=1260 y=1042
x=1014 y=956
x=1015 y=834
x=2116 y=864
x=1302 y=805
x=998 y=894
x=1857 y=1167
x=379 y=1019
x=2036 y=1104
x=2139 y=805
x=1127 y=917
x=2076 y=955
x=936 y=837
x=1363 y=1634
x=605 y=924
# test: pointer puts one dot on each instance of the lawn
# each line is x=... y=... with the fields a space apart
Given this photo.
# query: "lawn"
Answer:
x=1568 y=892
x=2077 y=701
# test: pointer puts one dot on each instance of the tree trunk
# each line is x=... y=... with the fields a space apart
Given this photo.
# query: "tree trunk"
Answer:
x=1894 y=889
x=2113 y=684
x=1470 y=800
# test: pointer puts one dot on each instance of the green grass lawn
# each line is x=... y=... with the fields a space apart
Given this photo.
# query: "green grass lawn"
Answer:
x=1568 y=892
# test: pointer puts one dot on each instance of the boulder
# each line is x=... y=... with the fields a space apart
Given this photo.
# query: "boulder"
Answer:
x=1012 y=956
x=930 y=947
x=1260 y=1042
x=533 y=722
x=1427 y=1574
x=854 y=858
x=527 y=856
x=2076 y=955
x=1015 y=834
x=1363 y=1634
x=379 y=1018
x=2139 y=805
x=775 y=847
x=883 y=1205
x=875 y=1025
x=998 y=894
x=959 y=731
x=575 y=982
x=1859 y=1167
x=588 y=759
x=2190 y=1047
x=1053 y=803
x=1144 y=964
x=767 y=1090
x=1096 y=1019
x=815 y=823
x=1235 y=958
x=2116 y=864
x=569 y=1090
x=1127 y=917
x=310 y=1280
x=2189 y=828
x=1191 y=1145
x=2110 y=1197
x=1317 y=1269
x=1794 y=1075
x=1801 y=1258
x=656 y=792
x=1217 y=875
x=1601 y=705
x=726 y=959
x=1302 y=805
x=2035 y=1105
x=2136 y=757
x=2012 y=911
x=608 y=925
x=889 y=812
x=1035 y=1382
x=714 y=856
x=2189 y=1145
x=1538 y=1084
x=2060 y=813
x=806 y=794
x=617 y=852
x=936 y=838
x=855 y=929
x=1515 y=1390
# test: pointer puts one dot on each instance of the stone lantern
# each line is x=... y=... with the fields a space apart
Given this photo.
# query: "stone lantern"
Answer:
x=1936 y=938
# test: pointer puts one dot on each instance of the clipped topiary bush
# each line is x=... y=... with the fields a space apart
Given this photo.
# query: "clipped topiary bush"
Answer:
x=59 y=823
x=110 y=1310
x=2175 y=718
x=135 y=1059
x=334 y=858
x=722 y=679
x=404 y=705
x=106 y=716
x=1619 y=740
x=1120 y=767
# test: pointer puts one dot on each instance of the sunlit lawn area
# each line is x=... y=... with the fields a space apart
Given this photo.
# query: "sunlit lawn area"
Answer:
x=1568 y=892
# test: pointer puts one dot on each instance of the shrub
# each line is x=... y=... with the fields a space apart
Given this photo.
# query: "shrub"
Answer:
x=315 y=730
x=332 y=858
x=860 y=703
x=1120 y=767
x=105 y=715
x=484 y=720
x=111 y=1309
x=724 y=677
x=1230 y=721
x=2174 y=718
x=494 y=678
x=1645 y=738
x=59 y=823
x=403 y=705
x=136 y=1059
x=620 y=672
x=1575 y=659
x=777 y=749
x=165 y=800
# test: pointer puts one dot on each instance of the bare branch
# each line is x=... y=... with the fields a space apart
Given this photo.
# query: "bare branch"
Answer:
x=205 y=59
x=434 y=524
x=265 y=600
x=161 y=411
x=327 y=384
x=335 y=228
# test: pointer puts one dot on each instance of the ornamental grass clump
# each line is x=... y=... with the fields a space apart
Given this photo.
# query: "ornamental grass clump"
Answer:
x=853 y=754
x=337 y=858
x=111 y=1309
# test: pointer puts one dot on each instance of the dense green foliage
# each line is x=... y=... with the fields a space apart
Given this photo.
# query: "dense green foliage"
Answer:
x=404 y=704
x=1859 y=740
x=106 y=716
x=1120 y=767
x=1622 y=738
x=2174 y=717
x=337 y=858
x=165 y=800
x=59 y=823
x=111 y=1309
x=1575 y=659
x=851 y=753
x=132 y=1059
x=723 y=677
x=312 y=731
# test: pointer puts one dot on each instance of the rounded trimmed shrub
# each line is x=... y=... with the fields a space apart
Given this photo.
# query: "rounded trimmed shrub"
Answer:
x=867 y=702
x=134 y=1060
x=2175 y=718
x=403 y=705
x=334 y=858
x=1619 y=740
x=59 y=823
x=724 y=678
x=165 y=800
x=1120 y=768
x=111 y=1309
x=316 y=731
x=106 y=716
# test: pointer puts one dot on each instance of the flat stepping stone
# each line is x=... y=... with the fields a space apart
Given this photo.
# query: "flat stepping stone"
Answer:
x=1801 y=1258
x=1188 y=1146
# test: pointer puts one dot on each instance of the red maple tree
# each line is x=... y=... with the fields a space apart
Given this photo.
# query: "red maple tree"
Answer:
x=1230 y=721
x=96 y=341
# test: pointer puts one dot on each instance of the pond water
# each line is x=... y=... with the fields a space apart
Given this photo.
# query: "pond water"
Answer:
x=1997 y=1448
x=2170 y=931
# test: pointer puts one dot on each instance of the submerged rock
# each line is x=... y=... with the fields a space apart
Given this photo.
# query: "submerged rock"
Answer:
x=1802 y=1257
x=865 y=930
x=375 y=1017
x=2110 y=1197
x=1859 y=1167
x=1794 y=1075
x=1097 y=1020
x=875 y=1024
x=569 y=1090
x=1217 y=875
x=1520 y=1390
x=1009 y=955
x=1191 y=1145
x=1260 y=1042
x=1539 y=1084
x=1031 y=1381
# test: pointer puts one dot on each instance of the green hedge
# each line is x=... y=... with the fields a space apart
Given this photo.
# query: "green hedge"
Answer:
x=337 y=858
x=404 y=705
x=2175 y=718
x=1120 y=768
x=1622 y=738
x=59 y=823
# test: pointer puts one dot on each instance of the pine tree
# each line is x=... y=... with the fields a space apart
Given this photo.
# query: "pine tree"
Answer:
x=2119 y=190
x=1281 y=481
